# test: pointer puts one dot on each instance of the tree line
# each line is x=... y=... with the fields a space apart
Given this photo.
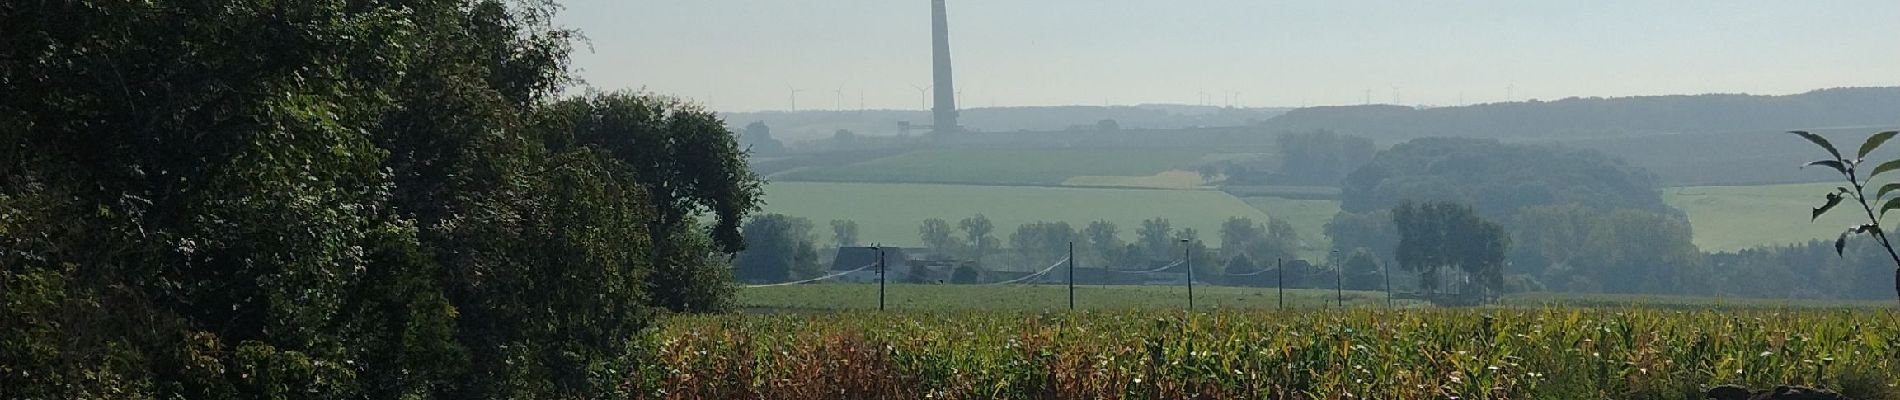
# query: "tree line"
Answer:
x=341 y=199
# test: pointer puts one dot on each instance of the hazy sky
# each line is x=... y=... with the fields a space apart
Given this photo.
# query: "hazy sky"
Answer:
x=745 y=55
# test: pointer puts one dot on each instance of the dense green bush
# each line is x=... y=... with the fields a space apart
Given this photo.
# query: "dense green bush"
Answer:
x=331 y=199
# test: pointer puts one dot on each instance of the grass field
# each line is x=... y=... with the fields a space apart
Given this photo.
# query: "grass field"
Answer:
x=1362 y=353
x=849 y=296
x=1308 y=217
x=1004 y=166
x=1728 y=218
x=891 y=213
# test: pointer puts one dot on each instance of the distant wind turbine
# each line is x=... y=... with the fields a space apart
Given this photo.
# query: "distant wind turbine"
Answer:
x=794 y=96
x=921 y=103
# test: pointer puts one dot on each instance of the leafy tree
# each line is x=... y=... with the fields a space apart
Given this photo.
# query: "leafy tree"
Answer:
x=1240 y=235
x=1628 y=251
x=1102 y=240
x=1370 y=230
x=689 y=165
x=1237 y=234
x=1362 y=271
x=1156 y=238
x=1206 y=267
x=1850 y=170
x=1434 y=236
x=844 y=232
x=1040 y=241
x=977 y=233
x=778 y=248
x=938 y=236
x=757 y=137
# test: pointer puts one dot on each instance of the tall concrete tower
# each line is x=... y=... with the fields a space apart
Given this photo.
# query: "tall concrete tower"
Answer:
x=944 y=112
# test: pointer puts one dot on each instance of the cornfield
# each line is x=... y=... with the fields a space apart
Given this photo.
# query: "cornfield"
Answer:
x=1352 y=354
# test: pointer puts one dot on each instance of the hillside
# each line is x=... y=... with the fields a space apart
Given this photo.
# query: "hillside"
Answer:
x=1595 y=117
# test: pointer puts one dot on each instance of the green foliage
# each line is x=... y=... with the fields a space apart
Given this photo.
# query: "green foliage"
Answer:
x=977 y=234
x=844 y=232
x=1849 y=170
x=937 y=235
x=1497 y=179
x=329 y=199
x=1363 y=271
x=1042 y=242
x=1602 y=117
x=1438 y=236
x=1582 y=249
x=778 y=248
x=890 y=213
x=1319 y=158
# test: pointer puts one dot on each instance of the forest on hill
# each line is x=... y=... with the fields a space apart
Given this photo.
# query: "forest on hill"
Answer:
x=1596 y=117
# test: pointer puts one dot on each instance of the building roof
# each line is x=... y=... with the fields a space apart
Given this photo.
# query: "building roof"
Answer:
x=850 y=258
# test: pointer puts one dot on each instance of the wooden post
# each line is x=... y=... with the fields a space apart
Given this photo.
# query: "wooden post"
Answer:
x=1279 y=267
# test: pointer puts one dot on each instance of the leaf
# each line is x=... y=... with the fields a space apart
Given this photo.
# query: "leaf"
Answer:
x=1884 y=189
x=1884 y=167
x=1835 y=164
x=1891 y=204
x=1833 y=199
x=1820 y=141
x=1840 y=244
x=1873 y=142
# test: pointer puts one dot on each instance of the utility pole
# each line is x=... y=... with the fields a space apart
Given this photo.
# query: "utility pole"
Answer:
x=1187 y=252
x=880 y=276
x=1279 y=267
x=1339 y=285
x=1388 y=283
x=1071 y=276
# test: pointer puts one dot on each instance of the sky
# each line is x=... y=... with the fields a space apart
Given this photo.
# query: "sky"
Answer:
x=750 y=55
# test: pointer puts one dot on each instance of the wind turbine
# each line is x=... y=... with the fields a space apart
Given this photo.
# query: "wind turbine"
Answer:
x=794 y=96
x=921 y=103
x=837 y=101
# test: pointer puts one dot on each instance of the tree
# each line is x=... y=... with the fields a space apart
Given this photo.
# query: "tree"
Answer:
x=1362 y=271
x=1040 y=241
x=1238 y=234
x=757 y=137
x=275 y=199
x=1206 y=267
x=1851 y=174
x=938 y=236
x=778 y=248
x=976 y=232
x=1103 y=242
x=1624 y=251
x=688 y=164
x=1435 y=236
x=1370 y=230
x=844 y=232
x=1156 y=238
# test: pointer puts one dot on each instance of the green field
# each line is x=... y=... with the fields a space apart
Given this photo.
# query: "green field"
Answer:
x=1004 y=166
x=1308 y=217
x=1728 y=218
x=891 y=213
x=849 y=296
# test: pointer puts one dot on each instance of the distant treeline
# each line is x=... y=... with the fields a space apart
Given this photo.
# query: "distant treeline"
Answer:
x=1591 y=117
